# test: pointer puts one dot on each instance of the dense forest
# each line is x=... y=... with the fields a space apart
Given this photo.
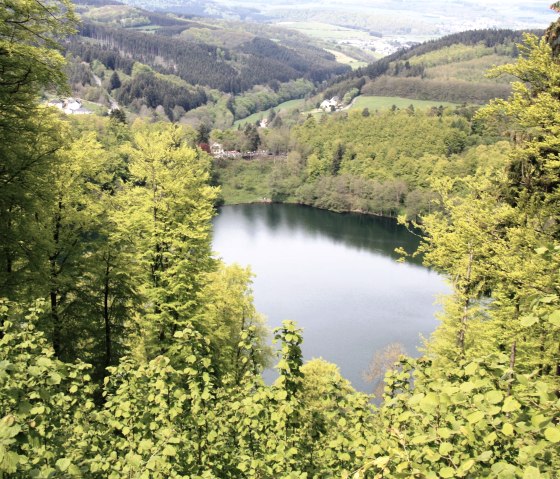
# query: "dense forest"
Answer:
x=217 y=72
x=127 y=350
x=440 y=69
x=380 y=162
x=170 y=65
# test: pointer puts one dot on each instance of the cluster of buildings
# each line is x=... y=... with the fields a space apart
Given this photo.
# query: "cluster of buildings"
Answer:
x=70 y=106
x=217 y=151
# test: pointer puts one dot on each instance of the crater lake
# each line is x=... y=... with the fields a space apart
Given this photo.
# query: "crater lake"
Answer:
x=337 y=276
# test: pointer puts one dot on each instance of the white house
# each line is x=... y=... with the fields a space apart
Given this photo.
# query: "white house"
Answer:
x=331 y=105
x=70 y=106
x=216 y=149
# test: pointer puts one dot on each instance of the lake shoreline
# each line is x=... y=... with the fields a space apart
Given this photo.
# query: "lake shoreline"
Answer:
x=268 y=201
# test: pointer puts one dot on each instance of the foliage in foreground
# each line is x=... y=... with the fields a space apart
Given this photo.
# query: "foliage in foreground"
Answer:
x=475 y=419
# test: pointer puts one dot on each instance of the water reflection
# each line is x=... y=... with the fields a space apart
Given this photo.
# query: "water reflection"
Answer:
x=376 y=234
x=336 y=275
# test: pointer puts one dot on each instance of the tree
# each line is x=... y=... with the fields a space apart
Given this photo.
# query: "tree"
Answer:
x=252 y=138
x=236 y=331
x=29 y=134
x=28 y=39
x=337 y=158
x=114 y=81
x=499 y=239
x=70 y=218
x=118 y=115
x=203 y=133
x=164 y=213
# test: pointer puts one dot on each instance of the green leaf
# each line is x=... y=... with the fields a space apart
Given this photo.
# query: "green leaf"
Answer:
x=54 y=379
x=382 y=461
x=10 y=462
x=485 y=456
x=169 y=450
x=63 y=464
x=531 y=473
x=507 y=429
x=528 y=321
x=554 y=318
x=552 y=434
x=445 y=448
x=494 y=397
x=467 y=465
x=344 y=456
x=475 y=417
x=44 y=362
x=447 y=472
x=510 y=405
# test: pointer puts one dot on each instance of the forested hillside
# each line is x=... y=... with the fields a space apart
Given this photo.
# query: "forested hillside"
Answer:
x=381 y=162
x=146 y=60
x=127 y=350
x=452 y=68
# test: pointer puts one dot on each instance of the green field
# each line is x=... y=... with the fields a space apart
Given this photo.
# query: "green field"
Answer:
x=286 y=106
x=347 y=60
x=384 y=102
x=325 y=31
x=244 y=181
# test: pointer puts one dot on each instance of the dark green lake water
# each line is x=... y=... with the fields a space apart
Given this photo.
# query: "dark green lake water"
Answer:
x=336 y=275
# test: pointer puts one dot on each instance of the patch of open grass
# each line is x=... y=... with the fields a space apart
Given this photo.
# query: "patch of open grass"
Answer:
x=325 y=31
x=286 y=106
x=347 y=60
x=244 y=181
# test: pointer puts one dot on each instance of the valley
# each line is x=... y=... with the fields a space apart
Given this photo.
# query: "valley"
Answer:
x=133 y=342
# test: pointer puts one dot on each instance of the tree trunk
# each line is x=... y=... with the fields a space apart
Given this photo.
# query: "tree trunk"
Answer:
x=54 y=291
x=55 y=318
x=107 y=319
x=464 y=317
x=512 y=358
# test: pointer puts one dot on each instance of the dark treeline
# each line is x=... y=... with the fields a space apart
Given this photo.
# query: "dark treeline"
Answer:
x=106 y=54
x=165 y=20
x=153 y=91
x=195 y=63
x=202 y=64
x=488 y=37
x=454 y=91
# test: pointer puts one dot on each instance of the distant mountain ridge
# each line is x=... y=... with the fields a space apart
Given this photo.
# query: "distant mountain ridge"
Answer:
x=451 y=68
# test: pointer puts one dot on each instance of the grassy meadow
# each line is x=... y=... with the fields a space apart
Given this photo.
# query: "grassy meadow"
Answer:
x=347 y=60
x=286 y=106
x=244 y=181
